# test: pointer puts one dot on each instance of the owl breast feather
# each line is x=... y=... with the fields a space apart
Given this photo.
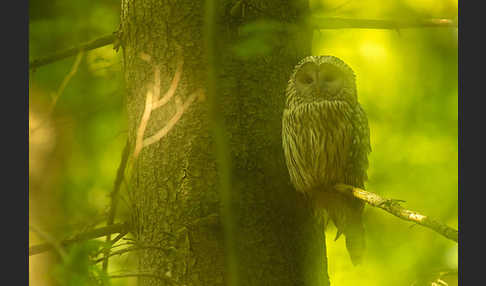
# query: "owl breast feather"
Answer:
x=317 y=140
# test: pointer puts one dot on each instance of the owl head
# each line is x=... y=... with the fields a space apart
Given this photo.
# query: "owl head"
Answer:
x=321 y=78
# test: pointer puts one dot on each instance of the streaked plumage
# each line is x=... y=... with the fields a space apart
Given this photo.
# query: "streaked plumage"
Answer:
x=326 y=141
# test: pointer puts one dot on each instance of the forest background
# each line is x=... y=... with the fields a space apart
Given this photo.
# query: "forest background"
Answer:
x=407 y=83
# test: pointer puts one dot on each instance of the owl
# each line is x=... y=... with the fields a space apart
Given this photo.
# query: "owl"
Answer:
x=326 y=141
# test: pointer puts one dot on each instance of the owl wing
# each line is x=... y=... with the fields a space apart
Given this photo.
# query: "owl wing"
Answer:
x=360 y=148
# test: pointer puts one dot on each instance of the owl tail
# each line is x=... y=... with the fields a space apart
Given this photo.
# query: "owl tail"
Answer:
x=346 y=214
x=355 y=240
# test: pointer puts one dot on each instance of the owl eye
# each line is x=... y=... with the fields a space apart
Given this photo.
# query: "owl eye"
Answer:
x=306 y=79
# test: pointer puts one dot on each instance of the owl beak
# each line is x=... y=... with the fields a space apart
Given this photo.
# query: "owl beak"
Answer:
x=324 y=92
x=328 y=91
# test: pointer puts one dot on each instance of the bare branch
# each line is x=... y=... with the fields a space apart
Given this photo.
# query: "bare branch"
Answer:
x=150 y=275
x=393 y=207
x=315 y=22
x=91 y=45
x=68 y=77
x=91 y=234
x=50 y=241
x=114 y=199
x=59 y=91
x=118 y=252
x=128 y=249
x=348 y=23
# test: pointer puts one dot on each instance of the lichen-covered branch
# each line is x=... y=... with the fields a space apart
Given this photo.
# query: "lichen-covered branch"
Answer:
x=348 y=23
x=393 y=207
x=91 y=234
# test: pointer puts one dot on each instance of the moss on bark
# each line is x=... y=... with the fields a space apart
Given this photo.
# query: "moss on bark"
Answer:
x=174 y=186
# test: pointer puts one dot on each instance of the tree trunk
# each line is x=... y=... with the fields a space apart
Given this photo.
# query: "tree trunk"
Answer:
x=174 y=186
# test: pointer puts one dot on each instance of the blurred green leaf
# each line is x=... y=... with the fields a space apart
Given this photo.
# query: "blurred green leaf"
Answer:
x=77 y=269
x=257 y=38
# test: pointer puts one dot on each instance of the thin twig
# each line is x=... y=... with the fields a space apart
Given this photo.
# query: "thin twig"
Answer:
x=68 y=77
x=93 y=44
x=348 y=23
x=114 y=198
x=51 y=241
x=108 y=248
x=111 y=243
x=338 y=7
x=128 y=249
x=91 y=234
x=315 y=22
x=117 y=252
x=60 y=90
x=150 y=275
x=393 y=207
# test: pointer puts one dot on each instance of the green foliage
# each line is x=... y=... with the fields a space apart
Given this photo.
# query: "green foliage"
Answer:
x=258 y=38
x=407 y=83
x=77 y=268
x=69 y=191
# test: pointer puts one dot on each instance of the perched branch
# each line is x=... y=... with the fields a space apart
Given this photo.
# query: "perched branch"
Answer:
x=91 y=45
x=347 y=23
x=91 y=234
x=393 y=207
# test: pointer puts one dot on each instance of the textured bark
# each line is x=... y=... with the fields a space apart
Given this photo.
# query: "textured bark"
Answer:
x=174 y=184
